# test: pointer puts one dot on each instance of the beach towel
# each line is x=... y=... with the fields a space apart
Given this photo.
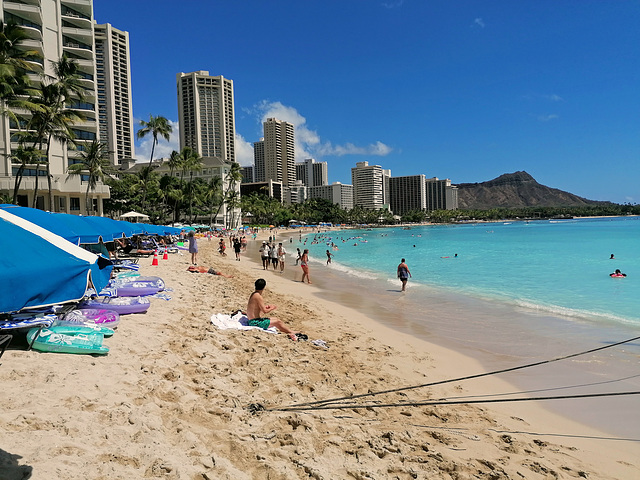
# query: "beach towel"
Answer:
x=236 y=322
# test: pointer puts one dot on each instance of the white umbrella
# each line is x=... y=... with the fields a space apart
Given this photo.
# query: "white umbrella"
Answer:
x=135 y=215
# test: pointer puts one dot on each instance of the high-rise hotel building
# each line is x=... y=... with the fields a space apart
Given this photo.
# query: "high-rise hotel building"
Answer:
x=54 y=28
x=407 y=194
x=312 y=173
x=113 y=81
x=370 y=186
x=206 y=114
x=279 y=152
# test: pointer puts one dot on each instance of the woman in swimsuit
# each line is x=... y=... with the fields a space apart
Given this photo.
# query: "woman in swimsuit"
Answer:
x=304 y=263
x=403 y=274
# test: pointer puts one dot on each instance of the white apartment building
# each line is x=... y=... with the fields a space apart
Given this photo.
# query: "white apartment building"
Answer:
x=279 y=152
x=296 y=193
x=370 y=186
x=312 y=173
x=337 y=192
x=206 y=114
x=54 y=27
x=113 y=80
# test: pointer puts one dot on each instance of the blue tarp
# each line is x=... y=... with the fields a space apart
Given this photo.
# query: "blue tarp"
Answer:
x=39 y=268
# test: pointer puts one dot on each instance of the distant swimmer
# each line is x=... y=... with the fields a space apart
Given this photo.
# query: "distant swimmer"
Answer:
x=612 y=257
x=617 y=274
x=403 y=273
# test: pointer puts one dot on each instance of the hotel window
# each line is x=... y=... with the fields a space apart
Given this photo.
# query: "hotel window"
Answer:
x=74 y=203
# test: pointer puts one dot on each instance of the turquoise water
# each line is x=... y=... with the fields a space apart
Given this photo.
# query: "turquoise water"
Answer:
x=557 y=267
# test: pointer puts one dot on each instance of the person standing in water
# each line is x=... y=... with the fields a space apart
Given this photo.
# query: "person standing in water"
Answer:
x=403 y=273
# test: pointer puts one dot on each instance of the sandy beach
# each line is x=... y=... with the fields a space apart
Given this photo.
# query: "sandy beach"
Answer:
x=171 y=399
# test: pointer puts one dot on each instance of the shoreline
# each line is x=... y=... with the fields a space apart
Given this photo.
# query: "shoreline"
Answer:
x=460 y=323
x=170 y=400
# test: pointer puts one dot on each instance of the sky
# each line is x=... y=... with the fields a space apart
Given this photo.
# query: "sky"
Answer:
x=466 y=90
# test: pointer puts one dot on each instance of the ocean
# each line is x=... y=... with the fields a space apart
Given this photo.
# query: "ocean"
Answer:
x=517 y=292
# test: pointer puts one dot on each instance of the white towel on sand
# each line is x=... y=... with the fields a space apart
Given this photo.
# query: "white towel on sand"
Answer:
x=236 y=322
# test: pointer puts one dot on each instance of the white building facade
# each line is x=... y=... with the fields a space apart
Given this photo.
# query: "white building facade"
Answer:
x=370 y=186
x=312 y=173
x=279 y=152
x=339 y=193
x=206 y=113
x=54 y=28
x=113 y=80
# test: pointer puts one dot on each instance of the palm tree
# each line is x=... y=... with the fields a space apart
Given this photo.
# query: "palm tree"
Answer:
x=233 y=177
x=175 y=162
x=192 y=162
x=95 y=164
x=213 y=195
x=156 y=126
x=14 y=65
x=51 y=121
x=24 y=156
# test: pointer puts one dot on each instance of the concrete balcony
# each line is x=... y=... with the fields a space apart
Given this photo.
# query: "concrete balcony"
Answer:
x=31 y=12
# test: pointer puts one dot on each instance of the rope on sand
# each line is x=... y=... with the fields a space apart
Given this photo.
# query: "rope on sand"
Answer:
x=326 y=404
x=443 y=402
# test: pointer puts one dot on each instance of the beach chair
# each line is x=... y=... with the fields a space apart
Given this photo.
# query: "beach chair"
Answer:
x=21 y=321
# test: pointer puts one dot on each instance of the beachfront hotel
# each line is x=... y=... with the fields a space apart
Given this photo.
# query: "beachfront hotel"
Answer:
x=54 y=28
x=407 y=194
x=206 y=114
x=279 y=152
x=113 y=80
x=370 y=186
x=440 y=194
x=312 y=173
x=339 y=193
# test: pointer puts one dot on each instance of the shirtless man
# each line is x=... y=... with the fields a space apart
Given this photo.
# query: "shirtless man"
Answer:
x=256 y=309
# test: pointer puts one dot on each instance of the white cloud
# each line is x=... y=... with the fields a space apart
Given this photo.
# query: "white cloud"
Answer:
x=554 y=98
x=479 y=22
x=163 y=148
x=548 y=118
x=244 y=151
x=377 y=149
x=395 y=4
x=307 y=141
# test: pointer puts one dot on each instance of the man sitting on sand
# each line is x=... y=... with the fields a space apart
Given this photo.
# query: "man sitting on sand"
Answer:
x=256 y=309
x=197 y=269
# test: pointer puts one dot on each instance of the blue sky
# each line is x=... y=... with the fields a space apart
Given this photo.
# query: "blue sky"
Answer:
x=466 y=90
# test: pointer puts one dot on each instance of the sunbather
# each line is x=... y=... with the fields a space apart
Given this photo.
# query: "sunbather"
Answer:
x=212 y=271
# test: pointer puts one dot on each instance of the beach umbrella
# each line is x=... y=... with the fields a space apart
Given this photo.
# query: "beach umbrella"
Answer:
x=39 y=268
x=134 y=215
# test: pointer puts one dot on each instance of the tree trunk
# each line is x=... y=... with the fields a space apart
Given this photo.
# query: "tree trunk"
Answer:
x=16 y=186
x=144 y=192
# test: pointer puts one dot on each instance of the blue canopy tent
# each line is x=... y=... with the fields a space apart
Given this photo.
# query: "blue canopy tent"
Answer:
x=67 y=226
x=159 y=229
x=39 y=268
x=75 y=228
